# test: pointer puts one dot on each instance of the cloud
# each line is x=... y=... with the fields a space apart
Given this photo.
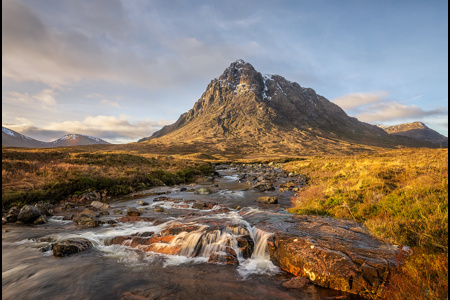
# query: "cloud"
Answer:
x=356 y=100
x=58 y=51
x=110 y=128
x=46 y=98
x=111 y=103
x=389 y=111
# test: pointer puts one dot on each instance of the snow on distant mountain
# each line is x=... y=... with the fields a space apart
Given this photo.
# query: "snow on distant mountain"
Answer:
x=11 y=138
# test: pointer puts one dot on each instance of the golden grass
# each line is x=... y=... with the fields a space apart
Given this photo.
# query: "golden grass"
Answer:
x=401 y=196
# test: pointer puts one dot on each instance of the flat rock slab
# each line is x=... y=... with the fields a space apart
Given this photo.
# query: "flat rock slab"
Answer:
x=333 y=253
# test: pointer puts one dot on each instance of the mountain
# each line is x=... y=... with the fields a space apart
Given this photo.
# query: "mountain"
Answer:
x=76 y=140
x=11 y=138
x=417 y=130
x=242 y=110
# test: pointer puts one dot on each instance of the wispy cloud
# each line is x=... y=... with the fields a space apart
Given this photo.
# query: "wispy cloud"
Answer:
x=352 y=101
x=377 y=107
x=111 y=103
x=45 y=98
x=390 y=111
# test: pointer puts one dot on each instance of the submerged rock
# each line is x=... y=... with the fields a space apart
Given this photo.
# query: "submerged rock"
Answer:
x=203 y=191
x=332 y=253
x=71 y=246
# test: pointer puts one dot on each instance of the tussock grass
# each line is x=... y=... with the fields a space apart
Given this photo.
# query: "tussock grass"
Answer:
x=51 y=175
x=401 y=196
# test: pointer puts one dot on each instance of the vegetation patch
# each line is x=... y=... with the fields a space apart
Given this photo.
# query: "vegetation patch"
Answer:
x=401 y=196
x=51 y=175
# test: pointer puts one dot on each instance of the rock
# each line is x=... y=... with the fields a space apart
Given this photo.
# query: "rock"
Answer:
x=42 y=219
x=246 y=245
x=295 y=283
x=203 y=191
x=125 y=219
x=28 y=214
x=262 y=187
x=208 y=205
x=332 y=253
x=223 y=258
x=176 y=229
x=86 y=220
x=158 y=209
x=267 y=200
x=46 y=208
x=90 y=212
x=99 y=205
x=142 y=203
x=71 y=246
x=132 y=211
x=12 y=214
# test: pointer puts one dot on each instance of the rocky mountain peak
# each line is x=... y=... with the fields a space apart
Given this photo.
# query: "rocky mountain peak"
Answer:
x=245 y=105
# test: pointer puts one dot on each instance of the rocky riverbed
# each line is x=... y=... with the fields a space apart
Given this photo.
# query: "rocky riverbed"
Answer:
x=223 y=237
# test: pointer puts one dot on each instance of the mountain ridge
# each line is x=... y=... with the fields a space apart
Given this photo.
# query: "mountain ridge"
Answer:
x=417 y=130
x=11 y=138
x=271 y=110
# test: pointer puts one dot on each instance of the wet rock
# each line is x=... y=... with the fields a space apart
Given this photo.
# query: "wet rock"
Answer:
x=99 y=205
x=176 y=229
x=268 y=200
x=264 y=187
x=332 y=253
x=28 y=214
x=203 y=191
x=246 y=245
x=142 y=203
x=208 y=205
x=126 y=219
x=12 y=214
x=295 y=283
x=71 y=246
x=42 y=219
x=158 y=209
x=132 y=211
x=90 y=212
x=223 y=258
x=86 y=220
x=46 y=208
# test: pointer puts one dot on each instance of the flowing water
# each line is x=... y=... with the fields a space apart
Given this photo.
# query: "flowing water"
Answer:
x=119 y=271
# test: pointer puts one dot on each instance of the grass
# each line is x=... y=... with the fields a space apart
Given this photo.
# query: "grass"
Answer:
x=51 y=175
x=401 y=196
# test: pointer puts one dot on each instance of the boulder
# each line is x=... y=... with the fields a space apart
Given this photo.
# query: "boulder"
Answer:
x=132 y=211
x=333 y=253
x=99 y=205
x=12 y=214
x=142 y=203
x=46 y=208
x=86 y=220
x=224 y=257
x=71 y=246
x=268 y=200
x=28 y=214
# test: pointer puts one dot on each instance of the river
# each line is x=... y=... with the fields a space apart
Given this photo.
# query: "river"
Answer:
x=113 y=271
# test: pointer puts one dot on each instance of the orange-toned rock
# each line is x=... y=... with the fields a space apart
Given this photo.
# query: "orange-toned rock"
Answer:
x=332 y=253
x=163 y=248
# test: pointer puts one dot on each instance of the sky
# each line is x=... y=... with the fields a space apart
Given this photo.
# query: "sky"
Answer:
x=120 y=70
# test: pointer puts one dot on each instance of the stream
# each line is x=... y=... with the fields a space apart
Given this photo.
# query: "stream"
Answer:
x=119 y=271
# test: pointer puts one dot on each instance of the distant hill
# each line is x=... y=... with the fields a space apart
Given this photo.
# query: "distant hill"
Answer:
x=244 y=111
x=417 y=130
x=11 y=138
